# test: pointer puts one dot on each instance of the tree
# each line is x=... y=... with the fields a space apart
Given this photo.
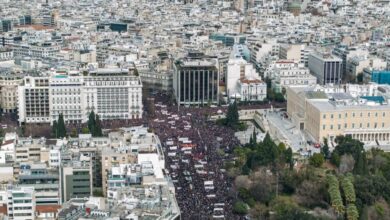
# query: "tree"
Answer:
x=91 y=122
x=317 y=159
x=288 y=155
x=335 y=158
x=94 y=125
x=85 y=130
x=335 y=196
x=61 y=129
x=347 y=145
x=348 y=189
x=98 y=127
x=232 y=117
x=352 y=212
x=54 y=130
x=74 y=132
x=2 y=133
x=240 y=208
x=325 y=149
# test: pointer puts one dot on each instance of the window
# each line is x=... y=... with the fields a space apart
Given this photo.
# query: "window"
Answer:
x=323 y=127
x=324 y=116
x=331 y=127
x=361 y=125
x=369 y=114
x=339 y=115
x=375 y=125
x=345 y=125
x=361 y=114
x=346 y=115
x=384 y=114
x=331 y=115
x=368 y=125
x=376 y=114
x=383 y=124
x=338 y=126
x=353 y=114
x=353 y=125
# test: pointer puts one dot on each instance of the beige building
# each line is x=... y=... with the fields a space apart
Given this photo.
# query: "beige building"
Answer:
x=113 y=158
x=9 y=92
x=327 y=115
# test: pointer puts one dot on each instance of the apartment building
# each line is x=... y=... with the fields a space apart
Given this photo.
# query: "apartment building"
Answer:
x=6 y=54
x=288 y=72
x=36 y=50
x=28 y=149
x=44 y=181
x=20 y=202
x=75 y=180
x=34 y=100
x=9 y=83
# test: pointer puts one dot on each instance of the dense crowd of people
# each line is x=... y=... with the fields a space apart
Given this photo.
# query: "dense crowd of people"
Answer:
x=195 y=154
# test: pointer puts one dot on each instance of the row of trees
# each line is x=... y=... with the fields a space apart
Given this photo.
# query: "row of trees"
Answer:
x=364 y=178
x=93 y=126
x=58 y=128
x=357 y=186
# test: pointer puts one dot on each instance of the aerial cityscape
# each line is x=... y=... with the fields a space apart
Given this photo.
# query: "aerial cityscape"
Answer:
x=194 y=109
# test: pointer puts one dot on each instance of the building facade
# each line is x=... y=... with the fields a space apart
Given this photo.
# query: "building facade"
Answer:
x=75 y=180
x=196 y=81
x=9 y=92
x=34 y=100
x=380 y=77
x=111 y=93
x=326 y=115
x=327 y=68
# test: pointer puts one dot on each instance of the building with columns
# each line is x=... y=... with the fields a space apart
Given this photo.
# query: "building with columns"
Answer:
x=196 y=81
x=326 y=115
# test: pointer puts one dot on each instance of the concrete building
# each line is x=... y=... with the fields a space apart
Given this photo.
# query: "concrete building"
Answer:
x=6 y=54
x=84 y=56
x=34 y=100
x=243 y=82
x=284 y=73
x=75 y=180
x=111 y=93
x=196 y=81
x=36 y=50
x=66 y=98
x=20 y=202
x=9 y=91
x=326 y=115
x=294 y=52
x=380 y=77
x=327 y=68
x=44 y=181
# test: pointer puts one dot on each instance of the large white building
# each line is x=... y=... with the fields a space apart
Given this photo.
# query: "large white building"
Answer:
x=288 y=72
x=111 y=93
x=20 y=202
x=243 y=82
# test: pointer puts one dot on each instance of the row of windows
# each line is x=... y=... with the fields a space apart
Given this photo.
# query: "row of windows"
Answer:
x=352 y=126
x=353 y=115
